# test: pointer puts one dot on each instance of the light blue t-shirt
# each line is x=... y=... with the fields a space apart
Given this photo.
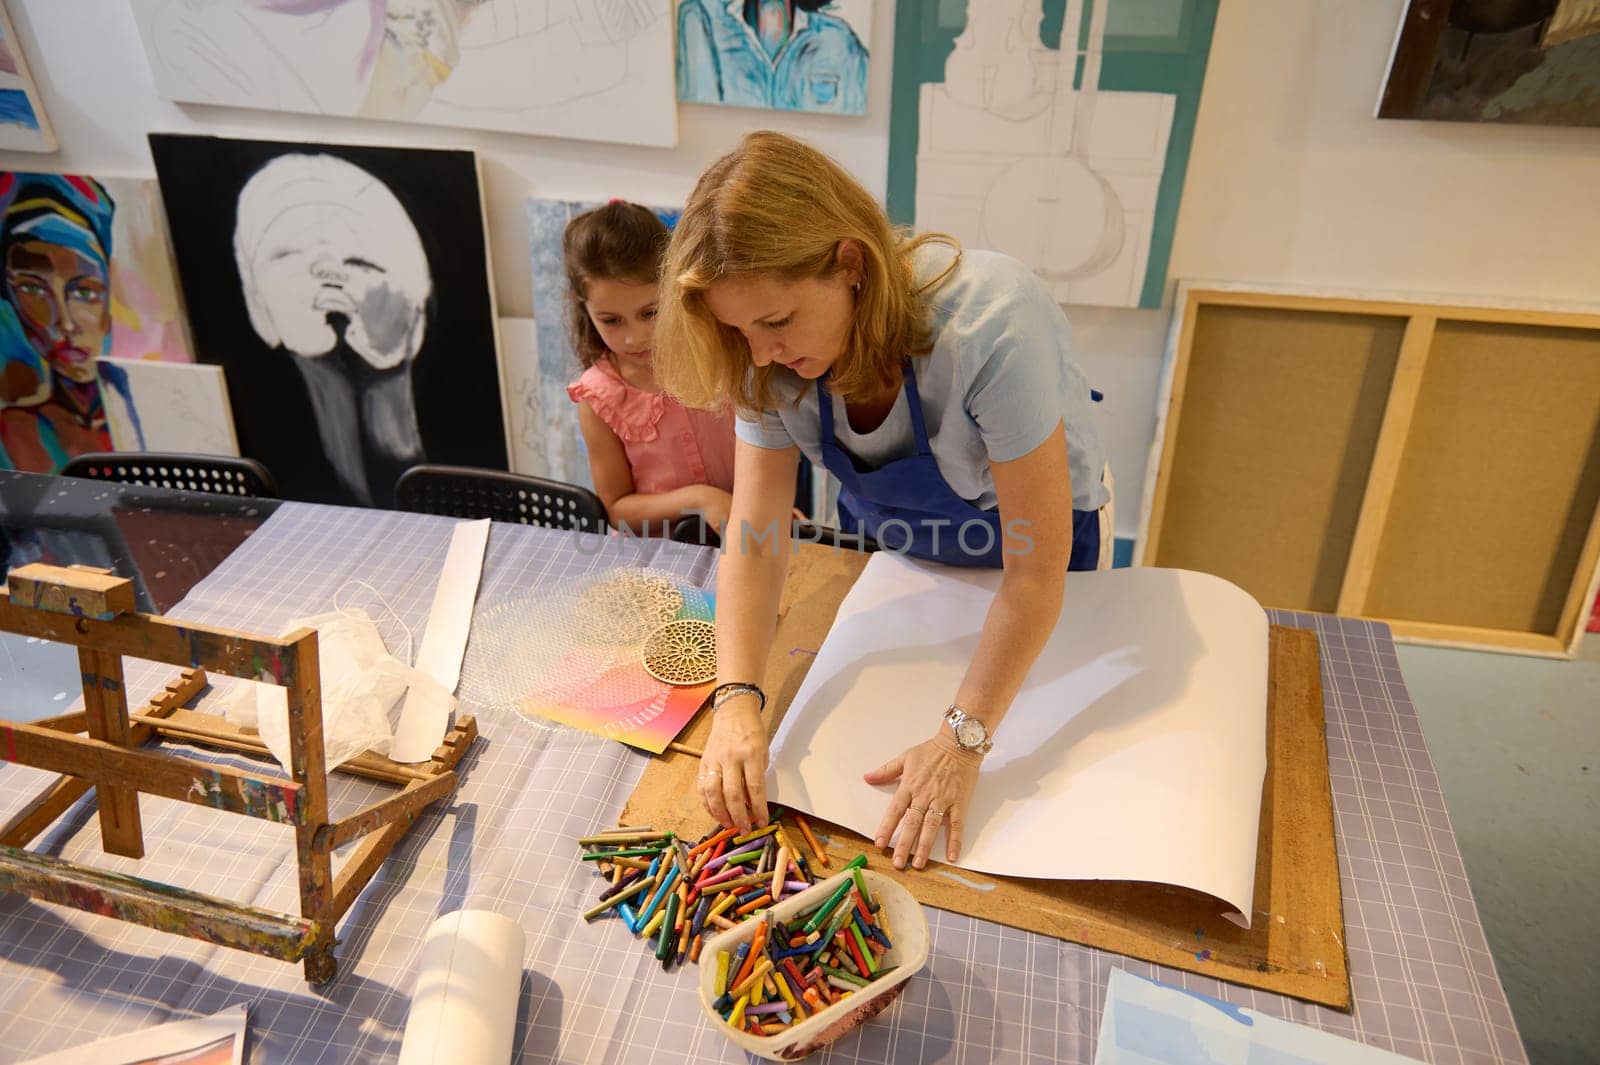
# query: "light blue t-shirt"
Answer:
x=998 y=380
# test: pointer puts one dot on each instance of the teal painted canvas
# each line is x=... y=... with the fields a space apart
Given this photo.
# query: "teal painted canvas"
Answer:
x=1055 y=131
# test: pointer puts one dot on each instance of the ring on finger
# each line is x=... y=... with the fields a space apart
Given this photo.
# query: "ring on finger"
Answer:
x=935 y=815
x=918 y=810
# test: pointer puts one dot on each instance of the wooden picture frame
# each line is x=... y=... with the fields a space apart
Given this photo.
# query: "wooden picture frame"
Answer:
x=1432 y=465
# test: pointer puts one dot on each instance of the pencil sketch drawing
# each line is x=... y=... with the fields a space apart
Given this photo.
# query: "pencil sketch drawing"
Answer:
x=519 y=355
x=1020 y=150
x=334 y=272
x=168 y=406
x=591 y=69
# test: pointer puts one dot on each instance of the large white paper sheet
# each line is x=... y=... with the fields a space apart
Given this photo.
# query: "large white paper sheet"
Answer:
x=1136 y=749
x=214 y=1040
x=425 y=714
x=1147 y=1022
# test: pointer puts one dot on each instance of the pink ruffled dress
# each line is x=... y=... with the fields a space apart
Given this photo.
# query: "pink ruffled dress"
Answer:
x=668 y=445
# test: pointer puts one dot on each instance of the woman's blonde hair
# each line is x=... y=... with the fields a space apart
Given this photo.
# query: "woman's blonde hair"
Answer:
x=777 y=206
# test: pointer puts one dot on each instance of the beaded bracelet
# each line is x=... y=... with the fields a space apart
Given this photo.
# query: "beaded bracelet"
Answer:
x=723 y=692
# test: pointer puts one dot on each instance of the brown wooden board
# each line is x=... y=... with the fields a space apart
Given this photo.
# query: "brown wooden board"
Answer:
x=1296 y=944
x=1269 y=502
x=1488 y=527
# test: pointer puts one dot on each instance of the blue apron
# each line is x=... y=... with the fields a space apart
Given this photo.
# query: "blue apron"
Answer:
x=908 y=508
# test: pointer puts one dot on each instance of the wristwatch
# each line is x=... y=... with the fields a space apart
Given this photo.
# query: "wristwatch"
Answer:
x=971 y=734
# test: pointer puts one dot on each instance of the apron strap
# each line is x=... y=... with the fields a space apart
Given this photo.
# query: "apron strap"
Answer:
x=919 y=429
x=914 y=399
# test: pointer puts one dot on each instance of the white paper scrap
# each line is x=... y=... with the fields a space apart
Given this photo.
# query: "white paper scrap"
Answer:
x=425 y=714
x=1147 y=1022
x=214 y=1040
x=1136 y=749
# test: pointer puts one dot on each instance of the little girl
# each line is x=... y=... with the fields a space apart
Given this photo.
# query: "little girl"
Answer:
x=654 y=461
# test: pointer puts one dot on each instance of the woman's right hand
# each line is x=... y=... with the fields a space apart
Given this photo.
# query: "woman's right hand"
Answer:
x=733 y=769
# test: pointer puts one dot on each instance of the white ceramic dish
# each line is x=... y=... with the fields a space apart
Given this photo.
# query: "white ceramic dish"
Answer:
x=909 y=930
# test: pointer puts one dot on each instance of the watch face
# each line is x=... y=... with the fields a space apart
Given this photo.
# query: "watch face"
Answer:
x=970 y=733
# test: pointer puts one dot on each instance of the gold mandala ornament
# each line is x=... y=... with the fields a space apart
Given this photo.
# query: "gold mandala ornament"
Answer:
x=682 y=652
x=627 y=606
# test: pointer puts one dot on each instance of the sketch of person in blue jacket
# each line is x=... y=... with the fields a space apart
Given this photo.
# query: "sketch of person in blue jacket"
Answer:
x=790 y=55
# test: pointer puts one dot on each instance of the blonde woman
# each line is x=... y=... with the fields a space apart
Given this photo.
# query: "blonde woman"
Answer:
x=935 y=385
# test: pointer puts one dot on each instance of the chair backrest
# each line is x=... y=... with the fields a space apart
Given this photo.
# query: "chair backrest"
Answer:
x=465 y=492
x=217 y=474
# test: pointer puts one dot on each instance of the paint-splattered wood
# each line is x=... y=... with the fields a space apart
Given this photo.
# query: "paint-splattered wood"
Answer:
x=158 y=639
x=76 y=591
x=367 y=857
x=190 y=726
x=170 y=776
x=56 y=799
x=105 y=707
x=308 y=765
x=372 y=851
x=401 y=809
x=158 y=906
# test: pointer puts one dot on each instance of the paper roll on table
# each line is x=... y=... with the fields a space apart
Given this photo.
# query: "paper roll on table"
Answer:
x=469 y=981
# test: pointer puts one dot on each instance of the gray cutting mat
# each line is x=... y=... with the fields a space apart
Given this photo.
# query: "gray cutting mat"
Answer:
x=1424 y=982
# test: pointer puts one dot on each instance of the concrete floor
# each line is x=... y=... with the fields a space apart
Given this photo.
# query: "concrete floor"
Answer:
x=1517 y=744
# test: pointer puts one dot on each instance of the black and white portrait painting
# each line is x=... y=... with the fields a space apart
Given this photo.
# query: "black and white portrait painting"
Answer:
x=345 y=292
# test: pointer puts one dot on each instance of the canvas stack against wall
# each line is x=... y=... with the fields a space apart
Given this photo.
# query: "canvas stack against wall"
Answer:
x=1056 y=132
x=592 y=70
x=808 y=55
x=345 y=291
x=89 y=275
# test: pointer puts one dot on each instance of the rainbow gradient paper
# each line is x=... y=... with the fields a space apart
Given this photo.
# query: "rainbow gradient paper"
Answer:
x=602 y=686
x=623 y=703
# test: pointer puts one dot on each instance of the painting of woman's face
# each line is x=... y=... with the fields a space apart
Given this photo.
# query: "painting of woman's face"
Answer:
x=326 y=250
x=63 y=300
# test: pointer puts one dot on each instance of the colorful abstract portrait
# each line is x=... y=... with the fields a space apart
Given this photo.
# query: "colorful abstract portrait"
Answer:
x=1533 y=62
x=55 y=318
x=784 y=55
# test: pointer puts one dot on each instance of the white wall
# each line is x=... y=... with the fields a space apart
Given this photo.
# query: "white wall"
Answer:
x=1290 y=180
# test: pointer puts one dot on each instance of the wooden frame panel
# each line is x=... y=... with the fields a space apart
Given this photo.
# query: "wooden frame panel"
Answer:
x=1262 y=501
x=1563 y=553
x=1494 y=500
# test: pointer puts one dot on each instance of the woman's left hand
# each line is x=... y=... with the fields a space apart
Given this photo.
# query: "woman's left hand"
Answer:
x=936 y=781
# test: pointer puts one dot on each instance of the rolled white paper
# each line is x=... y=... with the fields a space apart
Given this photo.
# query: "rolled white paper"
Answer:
x=469 y=981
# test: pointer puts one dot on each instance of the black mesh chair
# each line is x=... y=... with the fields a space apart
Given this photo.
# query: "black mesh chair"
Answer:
x=464 y=492
x=217 y=474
